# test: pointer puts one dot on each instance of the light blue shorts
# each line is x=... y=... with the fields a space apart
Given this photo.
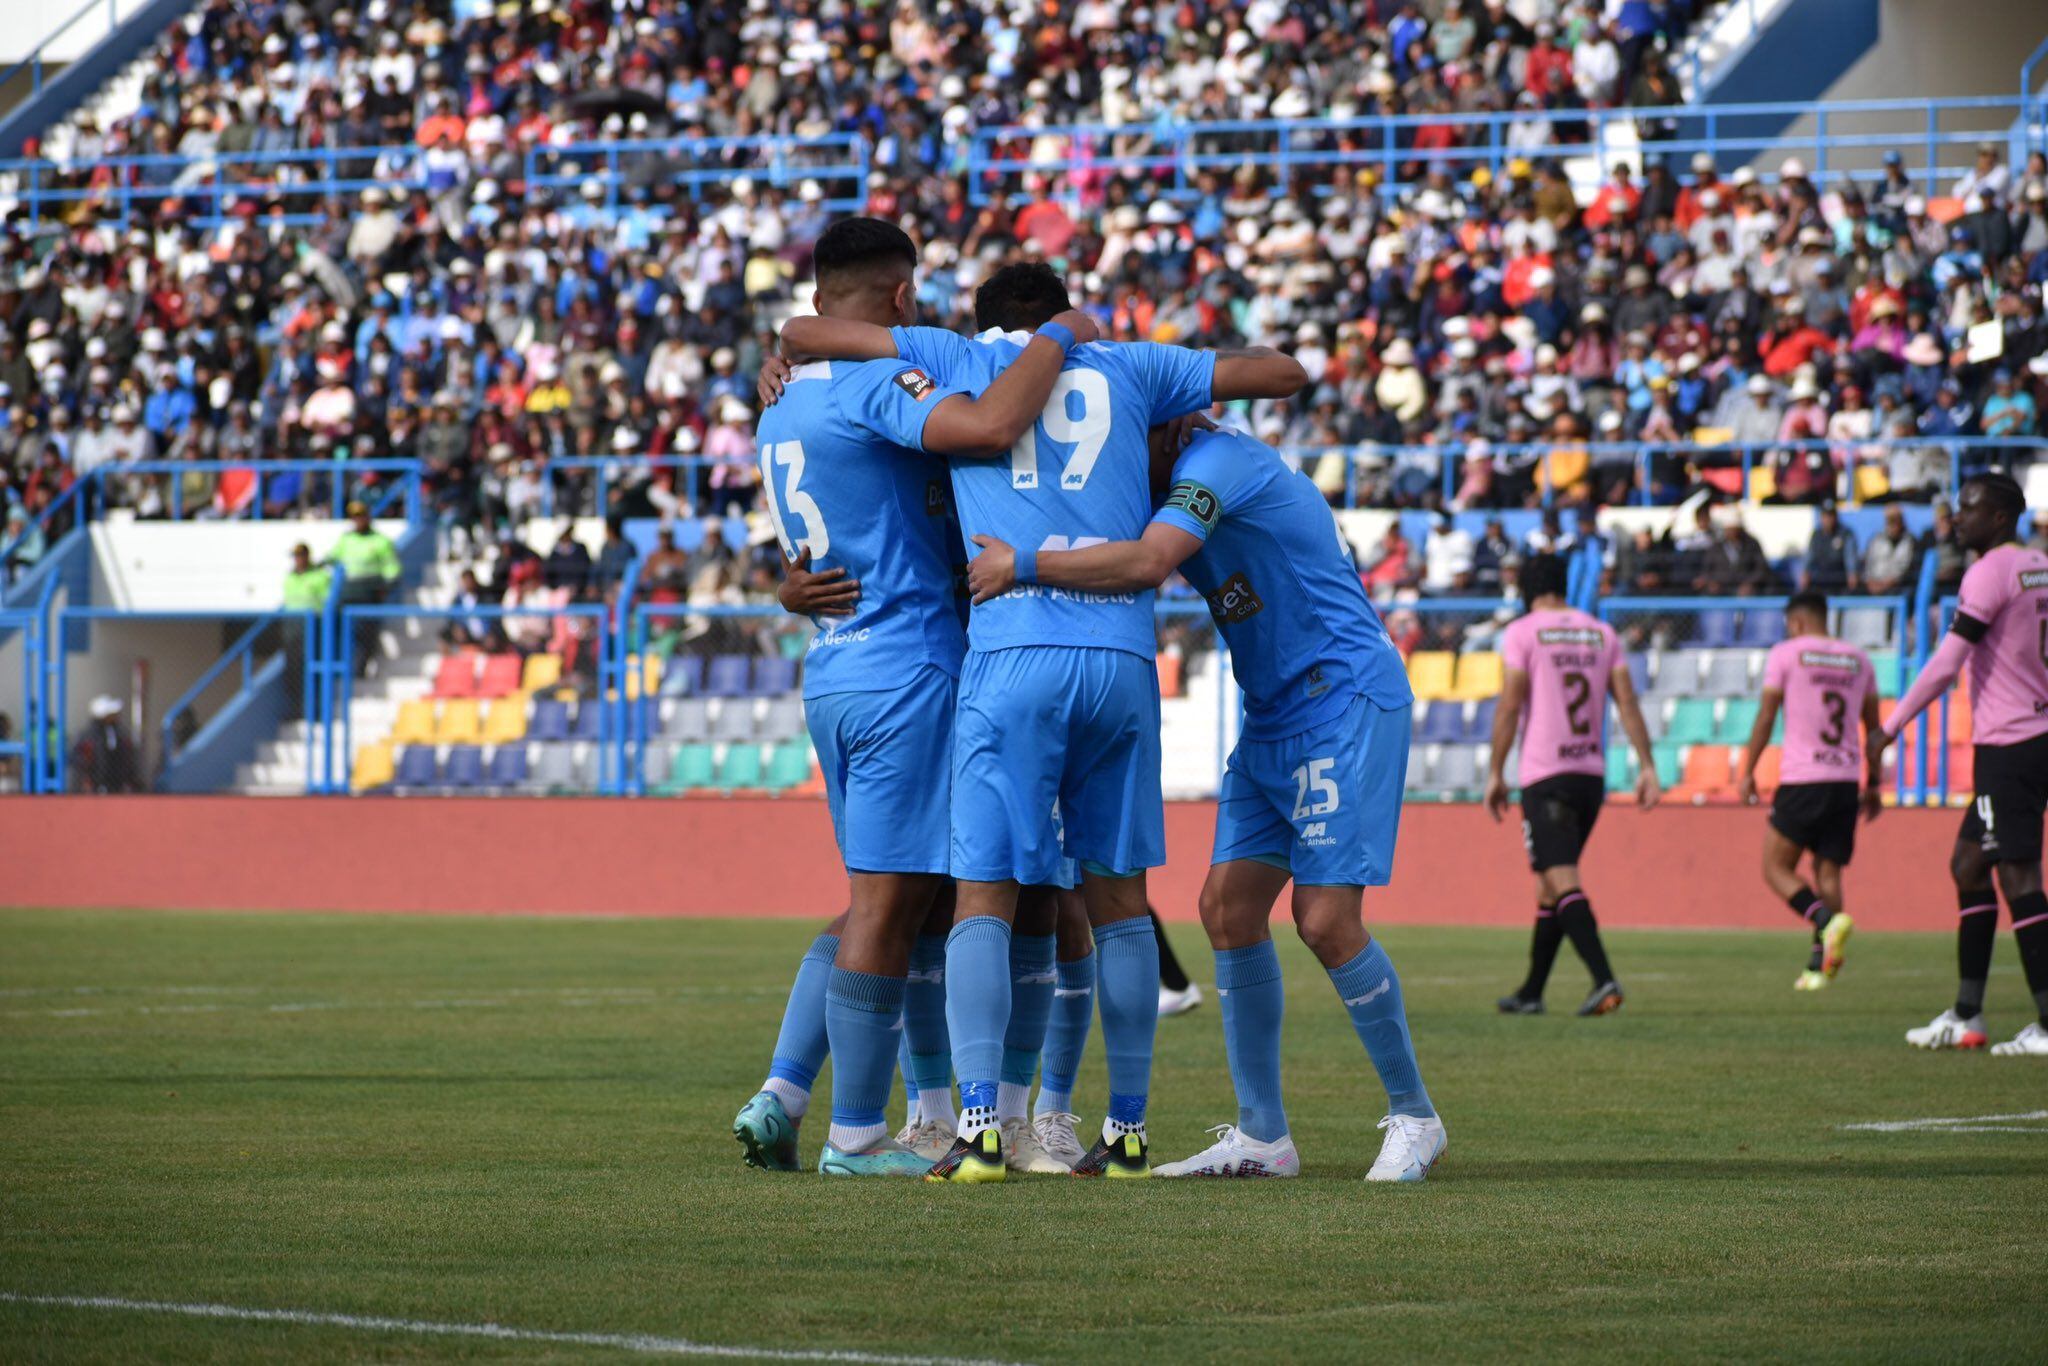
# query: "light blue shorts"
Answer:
x=888 y=764
x=1324 y=804
x=1045 y=724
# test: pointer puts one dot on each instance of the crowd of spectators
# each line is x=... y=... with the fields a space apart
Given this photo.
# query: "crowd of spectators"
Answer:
x=497 y=331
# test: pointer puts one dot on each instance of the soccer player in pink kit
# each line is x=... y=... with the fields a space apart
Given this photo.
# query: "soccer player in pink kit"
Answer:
x=1826 y=686
x=1561 y=667
x=2001 y=631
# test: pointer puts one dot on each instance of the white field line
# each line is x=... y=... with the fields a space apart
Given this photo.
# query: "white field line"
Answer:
x=517 y=998
x=645 y=1344
x=1967 y=1124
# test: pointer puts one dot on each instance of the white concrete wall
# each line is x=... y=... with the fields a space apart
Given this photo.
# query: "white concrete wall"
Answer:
x=25 y=23
x=204 y=566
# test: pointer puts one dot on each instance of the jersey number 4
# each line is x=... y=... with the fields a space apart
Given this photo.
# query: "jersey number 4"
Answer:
x=1086 y=433
x=789 y=455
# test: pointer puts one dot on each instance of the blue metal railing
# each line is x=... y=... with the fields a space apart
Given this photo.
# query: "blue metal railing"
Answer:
x=24 y=744
x=695 y=162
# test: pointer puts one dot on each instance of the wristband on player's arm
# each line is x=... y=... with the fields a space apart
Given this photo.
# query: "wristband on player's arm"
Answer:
x=1025 y=564
x=1057 y=332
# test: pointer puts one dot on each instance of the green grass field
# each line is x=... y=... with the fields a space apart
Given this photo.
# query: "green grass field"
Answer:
x=526 y=1123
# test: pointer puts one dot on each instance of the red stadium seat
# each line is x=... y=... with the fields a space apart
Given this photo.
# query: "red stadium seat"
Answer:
x=1170 y=675
x=501 y=675
x=457 y=675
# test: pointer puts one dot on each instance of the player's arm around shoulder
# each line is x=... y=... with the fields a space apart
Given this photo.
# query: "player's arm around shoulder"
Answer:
x=820 y=338
x=1257 y=372
x=986 y=427
x=1114 y=567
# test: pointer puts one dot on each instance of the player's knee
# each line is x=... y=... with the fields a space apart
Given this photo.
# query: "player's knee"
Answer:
x=1968 y=867
x=2018 y=879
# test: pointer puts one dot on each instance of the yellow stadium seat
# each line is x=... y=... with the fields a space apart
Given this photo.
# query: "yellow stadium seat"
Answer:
x=505 y=722
x=1430 y=673
x=542 y=671
x=650 y=676
x=1763 y=482
x=1872 y=482
x=415 y=723
x=461 y=723
x=1480 y=676
x=373 y=768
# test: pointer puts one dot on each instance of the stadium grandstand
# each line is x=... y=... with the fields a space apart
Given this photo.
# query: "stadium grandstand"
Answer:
x=505 y=275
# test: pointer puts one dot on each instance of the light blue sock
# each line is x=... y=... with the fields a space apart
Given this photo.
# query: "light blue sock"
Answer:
x=1127 y=983
x=801 y=1047
x=906 y=1066
x=1371 y=991
x=924 y=1016
x=861 y=1010
x=1066 y=1036
x=1253 y=998
x=1032 y=978
x=977 y=1013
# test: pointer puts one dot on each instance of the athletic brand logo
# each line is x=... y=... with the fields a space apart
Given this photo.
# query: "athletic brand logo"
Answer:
x=927 y=977
x=1386 y=985
x=1234 y=601
x=1036 y=979
x=915 y=383
x=1197 y=501
x=2033 y=578
x=1317 y=684
x=1313 y=831
x=1070 y=993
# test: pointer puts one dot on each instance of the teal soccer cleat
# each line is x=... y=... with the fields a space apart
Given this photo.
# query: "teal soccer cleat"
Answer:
x=888 y=1158
x=767 y=1134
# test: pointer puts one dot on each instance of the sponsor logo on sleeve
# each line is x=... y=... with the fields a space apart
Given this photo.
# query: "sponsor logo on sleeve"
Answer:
x=2033 y=578
x=916 y=383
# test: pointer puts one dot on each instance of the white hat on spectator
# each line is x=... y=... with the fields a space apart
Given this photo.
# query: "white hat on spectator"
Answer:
x=810 y=192
x=1804 y=388
x=625 y=439
x=1813 y=235
x=734 y=411
x=273 y=44
x=1702 y=162
x=1286 y=211
x=1519 y=330
x=723 y=358
x=1164 y=213
x=486 y=190
x=124 y=412
x=593 y=188
x=1759 y=383
x=1336 y=207
x=105 y=707
x=1542 y=276
x=1457 y=326
x=1126 y=218
x=1610 y=421
x=1744 y=175
x=1688 y=362
x=687 y=441
x=1792 y=168
x=152 y=339
x=2038 y=365
x=334 y=332
x=372 y=195
x=1922 y=350
x=1248 y=232
x=1915 y=206
x=1546 y=354
x=1309 y=332
x=1399 y=352
x=1464 y=348
x=38 y=328
x=1593 y=313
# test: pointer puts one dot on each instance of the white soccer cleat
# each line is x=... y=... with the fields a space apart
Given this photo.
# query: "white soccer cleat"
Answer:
x=930 y=1139
x=1022 y=1152
x=1813 y=979
x=1950 y=1030
x=1413 y=1145
x=1235 y=1154
x=1173 y=1002
x=1055 y=1131
x=2031 y=1042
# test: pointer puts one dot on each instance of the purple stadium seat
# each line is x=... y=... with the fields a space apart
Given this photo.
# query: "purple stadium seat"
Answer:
x=550 y=720
x=774 y=676
x=416 y=767
x=727 y=676
x=465 y=767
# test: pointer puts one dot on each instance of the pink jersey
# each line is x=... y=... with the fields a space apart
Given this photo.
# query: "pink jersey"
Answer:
x=2007 y=590
x=1823 y=682
x=1568 y=657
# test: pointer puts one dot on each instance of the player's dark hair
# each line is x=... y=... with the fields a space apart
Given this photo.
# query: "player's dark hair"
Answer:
x=1543 y=576
x=1808 y=601
x=1020 y=298
x=854 y=245
x=2003 y=491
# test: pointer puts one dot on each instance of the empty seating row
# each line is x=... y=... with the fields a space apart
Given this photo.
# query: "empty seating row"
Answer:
x=566 y=767
x=1724 y=628
x=671 y=770
x=472 y=673
x=732 y=719
x=1452 y=723
x=719 y=676
x=1440 y=676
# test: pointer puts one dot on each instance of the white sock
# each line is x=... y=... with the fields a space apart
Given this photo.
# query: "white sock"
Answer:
x=794 y=1098
x=857 y=1138
x=1012 y=1100
x=1112 y=1130
x=974 y=1119
x=1050 y=1101
x=937 y=1106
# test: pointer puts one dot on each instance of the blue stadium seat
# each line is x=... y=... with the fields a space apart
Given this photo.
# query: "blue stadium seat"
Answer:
x=735 y=721
x=1761 y=627
x=1639 y=673
x=416 y=767
x=682 y=675
x=1714 y=629
x=1479 y=726
x=1442 y=724
x=727 y=676
x=508 y=766
x=774 y=675
x=589 y=719
x=689 y=719
x=465 y=767
x=550 y=720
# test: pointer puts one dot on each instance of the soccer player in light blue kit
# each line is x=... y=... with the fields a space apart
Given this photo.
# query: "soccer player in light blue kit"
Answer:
x=845 y=485
x=1059 y=696
x=1313 y=790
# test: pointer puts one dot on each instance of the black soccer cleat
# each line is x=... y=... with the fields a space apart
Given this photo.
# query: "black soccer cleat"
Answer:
x=1604 y=1000
x=1515 y=1003
x=1129 y=1156
x=971 y=1161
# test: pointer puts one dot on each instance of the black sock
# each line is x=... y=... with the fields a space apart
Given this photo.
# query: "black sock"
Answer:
x=2030 y=928
x=1170 y=974
x=1810 y=908
x=1976 y=933
x=1575 y=917
x=1816 y=956
x=1542 y=953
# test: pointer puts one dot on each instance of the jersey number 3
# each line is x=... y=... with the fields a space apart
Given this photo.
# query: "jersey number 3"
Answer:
x=1085 y=433
x=789 y=455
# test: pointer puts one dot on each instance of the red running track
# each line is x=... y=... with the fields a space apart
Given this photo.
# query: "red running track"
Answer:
x=1675 y=867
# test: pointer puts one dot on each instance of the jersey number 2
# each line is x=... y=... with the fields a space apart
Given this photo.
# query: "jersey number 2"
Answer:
x=1085 y=433
x=790 y=455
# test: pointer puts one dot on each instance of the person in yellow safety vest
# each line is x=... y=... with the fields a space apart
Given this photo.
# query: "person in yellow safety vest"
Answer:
x=305 y=590
x=370 y=569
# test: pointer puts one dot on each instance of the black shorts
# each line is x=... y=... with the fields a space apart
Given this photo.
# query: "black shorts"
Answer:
x=1558 y=815
x=2005 y=817
x=1820 y=817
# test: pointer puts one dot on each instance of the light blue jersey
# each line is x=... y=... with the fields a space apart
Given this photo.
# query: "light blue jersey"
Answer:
x=1304 y=639
x=845 y=476
x=1079 y=477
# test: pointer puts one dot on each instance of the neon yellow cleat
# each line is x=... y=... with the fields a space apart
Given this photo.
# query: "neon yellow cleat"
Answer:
x=972 y=1161
x=1834 y=943
x=1810 y=980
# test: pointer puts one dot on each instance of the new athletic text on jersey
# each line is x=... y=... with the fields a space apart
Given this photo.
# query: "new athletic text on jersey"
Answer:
x=1304 y=639
x=1824 y=682
x=2007 y=590
x=1569 y=657
x=1079 y=477
x=845 y=476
